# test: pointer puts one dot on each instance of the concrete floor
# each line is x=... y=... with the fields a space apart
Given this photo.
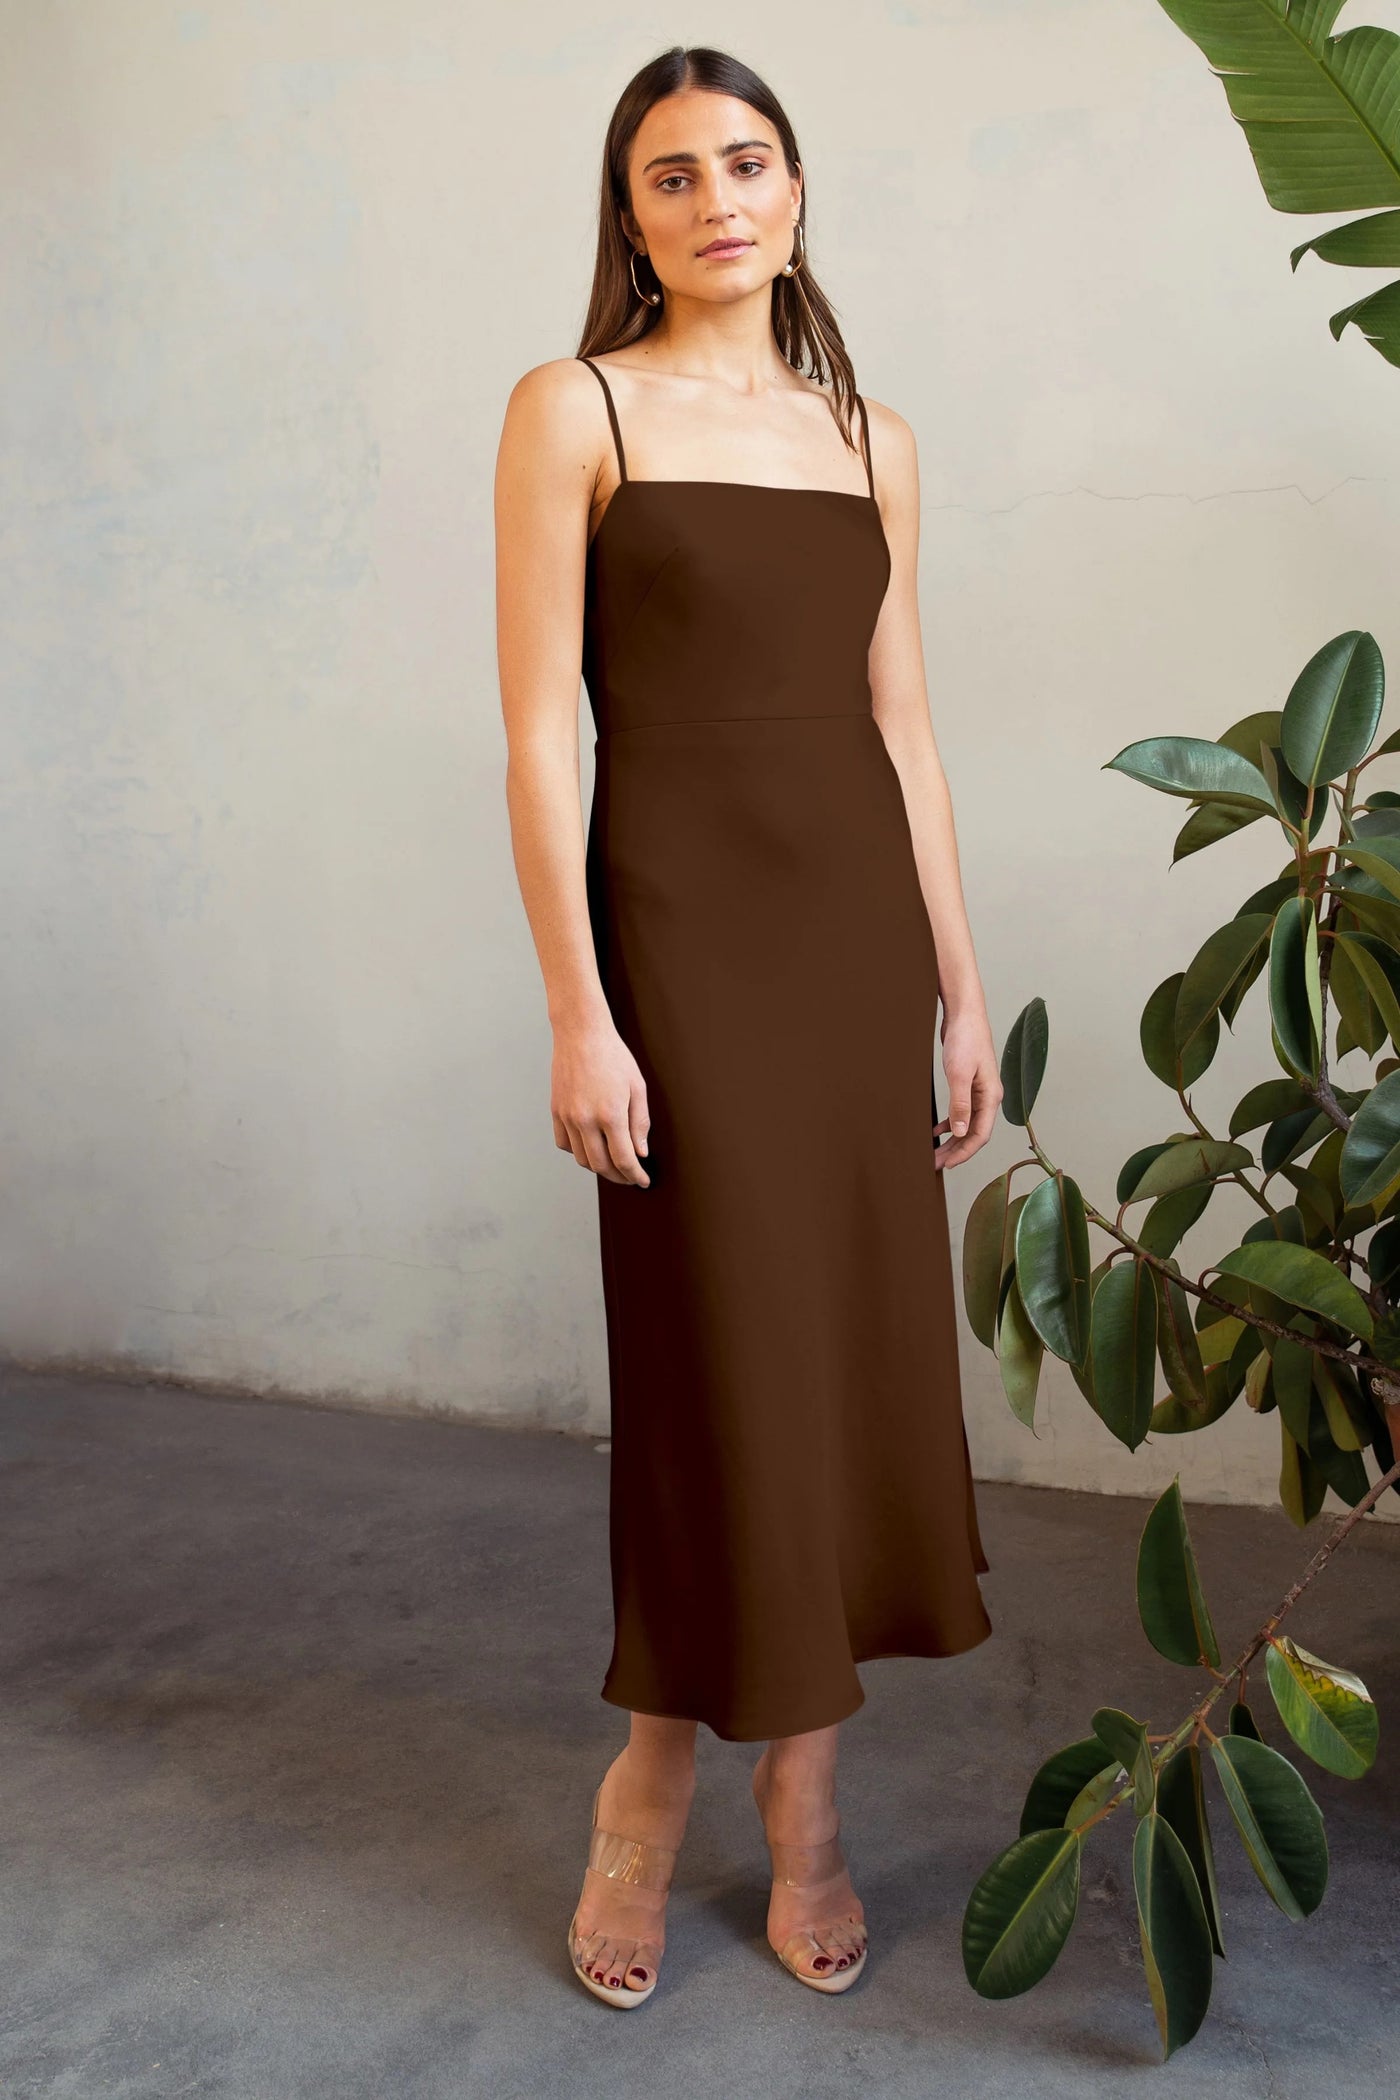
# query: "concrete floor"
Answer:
x=300 y=1727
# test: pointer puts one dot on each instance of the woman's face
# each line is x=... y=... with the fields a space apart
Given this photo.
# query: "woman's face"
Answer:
x=713 y=204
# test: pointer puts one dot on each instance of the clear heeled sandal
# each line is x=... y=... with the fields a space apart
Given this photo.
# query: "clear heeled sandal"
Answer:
x=811 y=1867
x=643 y=1865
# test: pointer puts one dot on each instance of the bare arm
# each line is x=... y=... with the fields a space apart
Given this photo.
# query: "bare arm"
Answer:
x=547 y=471
x=900 y=696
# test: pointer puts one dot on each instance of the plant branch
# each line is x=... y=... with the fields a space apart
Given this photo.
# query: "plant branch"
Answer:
x=1317 y=1343
x=1196 y=1718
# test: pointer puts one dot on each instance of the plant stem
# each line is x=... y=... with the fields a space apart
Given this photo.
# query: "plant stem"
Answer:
x=1316 y=1343
x=1196 y=1718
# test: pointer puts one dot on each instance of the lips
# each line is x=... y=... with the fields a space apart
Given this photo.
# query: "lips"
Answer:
x=726 y=247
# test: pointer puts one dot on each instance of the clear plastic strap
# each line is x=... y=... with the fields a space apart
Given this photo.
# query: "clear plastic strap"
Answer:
x=644 y=1865
x=800 y=1866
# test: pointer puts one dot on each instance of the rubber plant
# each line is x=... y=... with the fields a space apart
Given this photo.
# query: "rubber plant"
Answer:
x=1299 y=1319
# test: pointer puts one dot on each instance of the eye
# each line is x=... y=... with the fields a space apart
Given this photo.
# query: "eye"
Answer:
x=667 y=180
x=757 y=165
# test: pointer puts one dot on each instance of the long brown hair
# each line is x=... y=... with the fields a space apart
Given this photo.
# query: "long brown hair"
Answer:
x=804 y=323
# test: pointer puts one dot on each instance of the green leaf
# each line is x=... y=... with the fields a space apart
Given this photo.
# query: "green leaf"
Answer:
x=1019 y=1914
x=1171 y=1417
x=1242 y=1721
x=1377 y=316
x=1343 y=1470
x=1367 y=244
x=1123 y=1350
x=1317 y=110
x=1293 y=1384
x=1378 y=967
x=1059 y=1781
x=1328 y=1712
x=1370 y=1162
x=1157 y=1036
x=1171 y=1603
x=1174 y=1930
x=1331 y=715
x=1178 y=1344
x=1341 y=1404
x=1023 y=1061
x=1052 y=1266
x=1279 y=1823
x=1218 y=1333
x=1019 y=1355
x=1302 y=1486
x=1126 y=1739
x=1295 y=988
x=1171 y=1218
x=1185 y=1161
x=1219 y=965
x=1195 y=768
x=1181 y=1799
x=1267 y=1102
x=1219 y=820
x=1360 y=1023
x=1208 y=825
x=1377 y=857
x=1380 y=914
x=988 y=1238
x=1094 y=1795
x=1303 y=1277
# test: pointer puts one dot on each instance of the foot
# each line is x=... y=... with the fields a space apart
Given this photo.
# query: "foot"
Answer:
x=829 y=1913
x=620 y=1929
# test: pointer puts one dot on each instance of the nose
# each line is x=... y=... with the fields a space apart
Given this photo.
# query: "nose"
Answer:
x=715 y=201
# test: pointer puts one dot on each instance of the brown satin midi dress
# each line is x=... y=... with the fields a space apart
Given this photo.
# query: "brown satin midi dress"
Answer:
x=790 y=1491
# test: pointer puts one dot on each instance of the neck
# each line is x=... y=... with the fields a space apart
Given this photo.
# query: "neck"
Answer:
x=733 y=343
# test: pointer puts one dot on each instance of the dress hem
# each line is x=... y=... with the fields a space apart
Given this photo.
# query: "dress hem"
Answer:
x=750 y=1734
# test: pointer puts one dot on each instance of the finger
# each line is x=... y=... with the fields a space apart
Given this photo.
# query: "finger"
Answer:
x=561 y=1133
x=576 y=1144
x=639 y=1119
x=984 y=1122
x=596 y=1148
x=954 y=1150
x=948 y=1151
x=619 y=1142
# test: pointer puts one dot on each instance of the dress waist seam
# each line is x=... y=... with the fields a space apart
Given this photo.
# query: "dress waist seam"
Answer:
x=845 y=714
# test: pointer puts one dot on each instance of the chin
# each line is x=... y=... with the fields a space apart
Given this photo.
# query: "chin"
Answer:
x=725 y=290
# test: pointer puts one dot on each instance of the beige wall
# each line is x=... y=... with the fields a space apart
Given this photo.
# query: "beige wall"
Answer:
x=276 y=1063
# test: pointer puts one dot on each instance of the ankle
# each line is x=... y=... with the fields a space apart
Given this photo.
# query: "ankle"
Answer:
x=793 y=1780
x=657 y=1766
x=651 y=1787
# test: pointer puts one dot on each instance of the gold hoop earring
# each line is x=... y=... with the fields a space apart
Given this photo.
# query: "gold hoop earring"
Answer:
x=650 y=298
x=794 y=263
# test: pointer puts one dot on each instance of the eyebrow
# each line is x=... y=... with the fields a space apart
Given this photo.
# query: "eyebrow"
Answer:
x=734 y=146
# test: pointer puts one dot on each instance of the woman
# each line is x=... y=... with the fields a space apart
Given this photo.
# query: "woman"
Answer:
x=743 y=964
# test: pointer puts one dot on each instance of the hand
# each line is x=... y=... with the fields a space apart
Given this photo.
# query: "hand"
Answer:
x=974 y=1086
x=598 y=1099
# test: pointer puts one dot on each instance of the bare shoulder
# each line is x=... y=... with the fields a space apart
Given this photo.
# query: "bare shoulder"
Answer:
x=894 y=462
x=891 y=439
x=558 y=406
x=558 y=388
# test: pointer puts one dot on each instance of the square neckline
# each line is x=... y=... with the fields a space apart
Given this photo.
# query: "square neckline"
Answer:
x=767 y=488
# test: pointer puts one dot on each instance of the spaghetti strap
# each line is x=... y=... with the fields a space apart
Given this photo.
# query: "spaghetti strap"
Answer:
x=865 y=427
x=612 y=415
